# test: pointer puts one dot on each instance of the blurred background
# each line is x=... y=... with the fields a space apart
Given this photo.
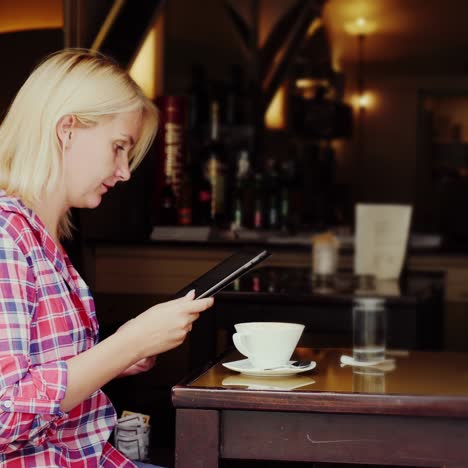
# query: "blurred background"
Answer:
x=345 y=100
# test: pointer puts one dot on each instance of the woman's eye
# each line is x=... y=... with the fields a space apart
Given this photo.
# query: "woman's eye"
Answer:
x=119 y=148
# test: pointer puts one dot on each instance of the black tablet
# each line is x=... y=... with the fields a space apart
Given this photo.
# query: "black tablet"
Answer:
x=225 y=272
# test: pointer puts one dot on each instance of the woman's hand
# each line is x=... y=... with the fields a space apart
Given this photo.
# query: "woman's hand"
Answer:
x=163 y=326
x=155 y=331
x=143 y=365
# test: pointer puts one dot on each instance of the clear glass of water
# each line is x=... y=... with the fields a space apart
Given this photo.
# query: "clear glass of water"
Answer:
x=368 y=380
x=369 y=329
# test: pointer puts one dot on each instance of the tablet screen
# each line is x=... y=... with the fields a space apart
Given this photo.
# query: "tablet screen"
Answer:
x=225 y=272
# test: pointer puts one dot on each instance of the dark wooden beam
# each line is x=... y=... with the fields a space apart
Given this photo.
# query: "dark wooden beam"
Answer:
x=312 y=10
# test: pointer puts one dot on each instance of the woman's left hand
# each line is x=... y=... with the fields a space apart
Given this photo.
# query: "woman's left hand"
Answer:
x=143 y=365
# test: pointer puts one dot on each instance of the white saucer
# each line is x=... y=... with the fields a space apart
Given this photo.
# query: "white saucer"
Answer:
x=245 y=367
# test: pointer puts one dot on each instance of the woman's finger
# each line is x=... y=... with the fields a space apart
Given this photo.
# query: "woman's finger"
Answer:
x=188 y=306
x=192 y=319
x=199 y=305
x=188 y=297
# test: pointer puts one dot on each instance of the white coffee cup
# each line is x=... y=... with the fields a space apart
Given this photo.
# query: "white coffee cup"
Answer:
x=267 y=344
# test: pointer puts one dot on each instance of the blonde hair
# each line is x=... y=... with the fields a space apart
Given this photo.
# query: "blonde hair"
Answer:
x=76 y=82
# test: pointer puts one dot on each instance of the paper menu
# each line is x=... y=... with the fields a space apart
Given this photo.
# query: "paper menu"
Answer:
x=381 y=239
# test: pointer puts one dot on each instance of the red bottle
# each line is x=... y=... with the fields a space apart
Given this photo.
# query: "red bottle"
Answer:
x=170 y=146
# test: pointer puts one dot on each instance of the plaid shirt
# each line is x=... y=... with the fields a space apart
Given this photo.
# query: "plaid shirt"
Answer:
x=46 y=317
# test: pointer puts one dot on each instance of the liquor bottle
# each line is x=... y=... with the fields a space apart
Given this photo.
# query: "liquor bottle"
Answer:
x=286 y=181
x=216 y=169
x=201 y=197
x=272 y=208
x=168 y=209
x=171 y=143
x=184 y=205
x=258 y=221
x=241 y=186
x=237 y=219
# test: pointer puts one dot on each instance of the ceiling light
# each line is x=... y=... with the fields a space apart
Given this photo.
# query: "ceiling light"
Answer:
x=360 y=27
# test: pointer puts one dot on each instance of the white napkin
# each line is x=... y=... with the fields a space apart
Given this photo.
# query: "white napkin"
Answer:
x=268 y=383
x=384 y=364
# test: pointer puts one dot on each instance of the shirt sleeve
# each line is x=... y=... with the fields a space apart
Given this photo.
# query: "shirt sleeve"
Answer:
x=30 y=395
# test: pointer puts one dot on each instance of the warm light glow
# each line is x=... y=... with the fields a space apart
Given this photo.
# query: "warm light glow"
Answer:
x=308 y=88
x=275 y=115
x=316 y=23
x=360 y=27
x=303 y=83
x=336 y=54
x=30 y=14
x=144 y=66
x=364 y=101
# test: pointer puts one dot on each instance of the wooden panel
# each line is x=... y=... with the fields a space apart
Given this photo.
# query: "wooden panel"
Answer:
x=197 y=441
x=164 y=270
x=457 y=285
x=291 y=259
x=344 y=438
x=159 y=269
x=456 y=269
x=456 y=325
x=151 y=270
x=437 y=262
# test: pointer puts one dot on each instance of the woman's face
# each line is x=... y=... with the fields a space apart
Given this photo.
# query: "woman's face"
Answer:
x=96 y=158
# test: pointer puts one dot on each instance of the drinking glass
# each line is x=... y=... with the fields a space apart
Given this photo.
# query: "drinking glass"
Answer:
x=368 y=380
x=369 y=329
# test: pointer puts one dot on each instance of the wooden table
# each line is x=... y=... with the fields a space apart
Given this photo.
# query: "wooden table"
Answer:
x=415 y=415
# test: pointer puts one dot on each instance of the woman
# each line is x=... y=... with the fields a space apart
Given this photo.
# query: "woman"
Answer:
x=77 y=127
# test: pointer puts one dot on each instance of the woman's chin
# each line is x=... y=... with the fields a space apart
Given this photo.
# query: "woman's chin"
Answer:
x=91 y=202
x=96 y=203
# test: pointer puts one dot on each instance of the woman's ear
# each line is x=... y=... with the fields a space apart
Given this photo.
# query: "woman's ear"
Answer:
x=64 y=128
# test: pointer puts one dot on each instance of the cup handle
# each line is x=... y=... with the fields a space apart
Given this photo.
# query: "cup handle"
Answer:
x=238 y=339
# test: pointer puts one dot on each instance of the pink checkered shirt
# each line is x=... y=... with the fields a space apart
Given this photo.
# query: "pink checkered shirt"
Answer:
x=47 y=316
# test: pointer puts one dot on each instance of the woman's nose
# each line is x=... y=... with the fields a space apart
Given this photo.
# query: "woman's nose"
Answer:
x=123 y=171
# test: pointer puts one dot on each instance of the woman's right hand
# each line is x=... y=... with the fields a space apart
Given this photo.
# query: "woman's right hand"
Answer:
x=158 y=329
x=163 y=326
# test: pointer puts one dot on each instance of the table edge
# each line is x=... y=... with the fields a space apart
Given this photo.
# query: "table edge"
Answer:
x=320 y=402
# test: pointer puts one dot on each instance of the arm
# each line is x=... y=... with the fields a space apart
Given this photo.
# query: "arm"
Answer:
x=30 y=395
x=143 y=365
x=32 y=398
x=153 y=332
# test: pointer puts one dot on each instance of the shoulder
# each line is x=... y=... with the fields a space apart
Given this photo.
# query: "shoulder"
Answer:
x=16 y=255
x=15 y=226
